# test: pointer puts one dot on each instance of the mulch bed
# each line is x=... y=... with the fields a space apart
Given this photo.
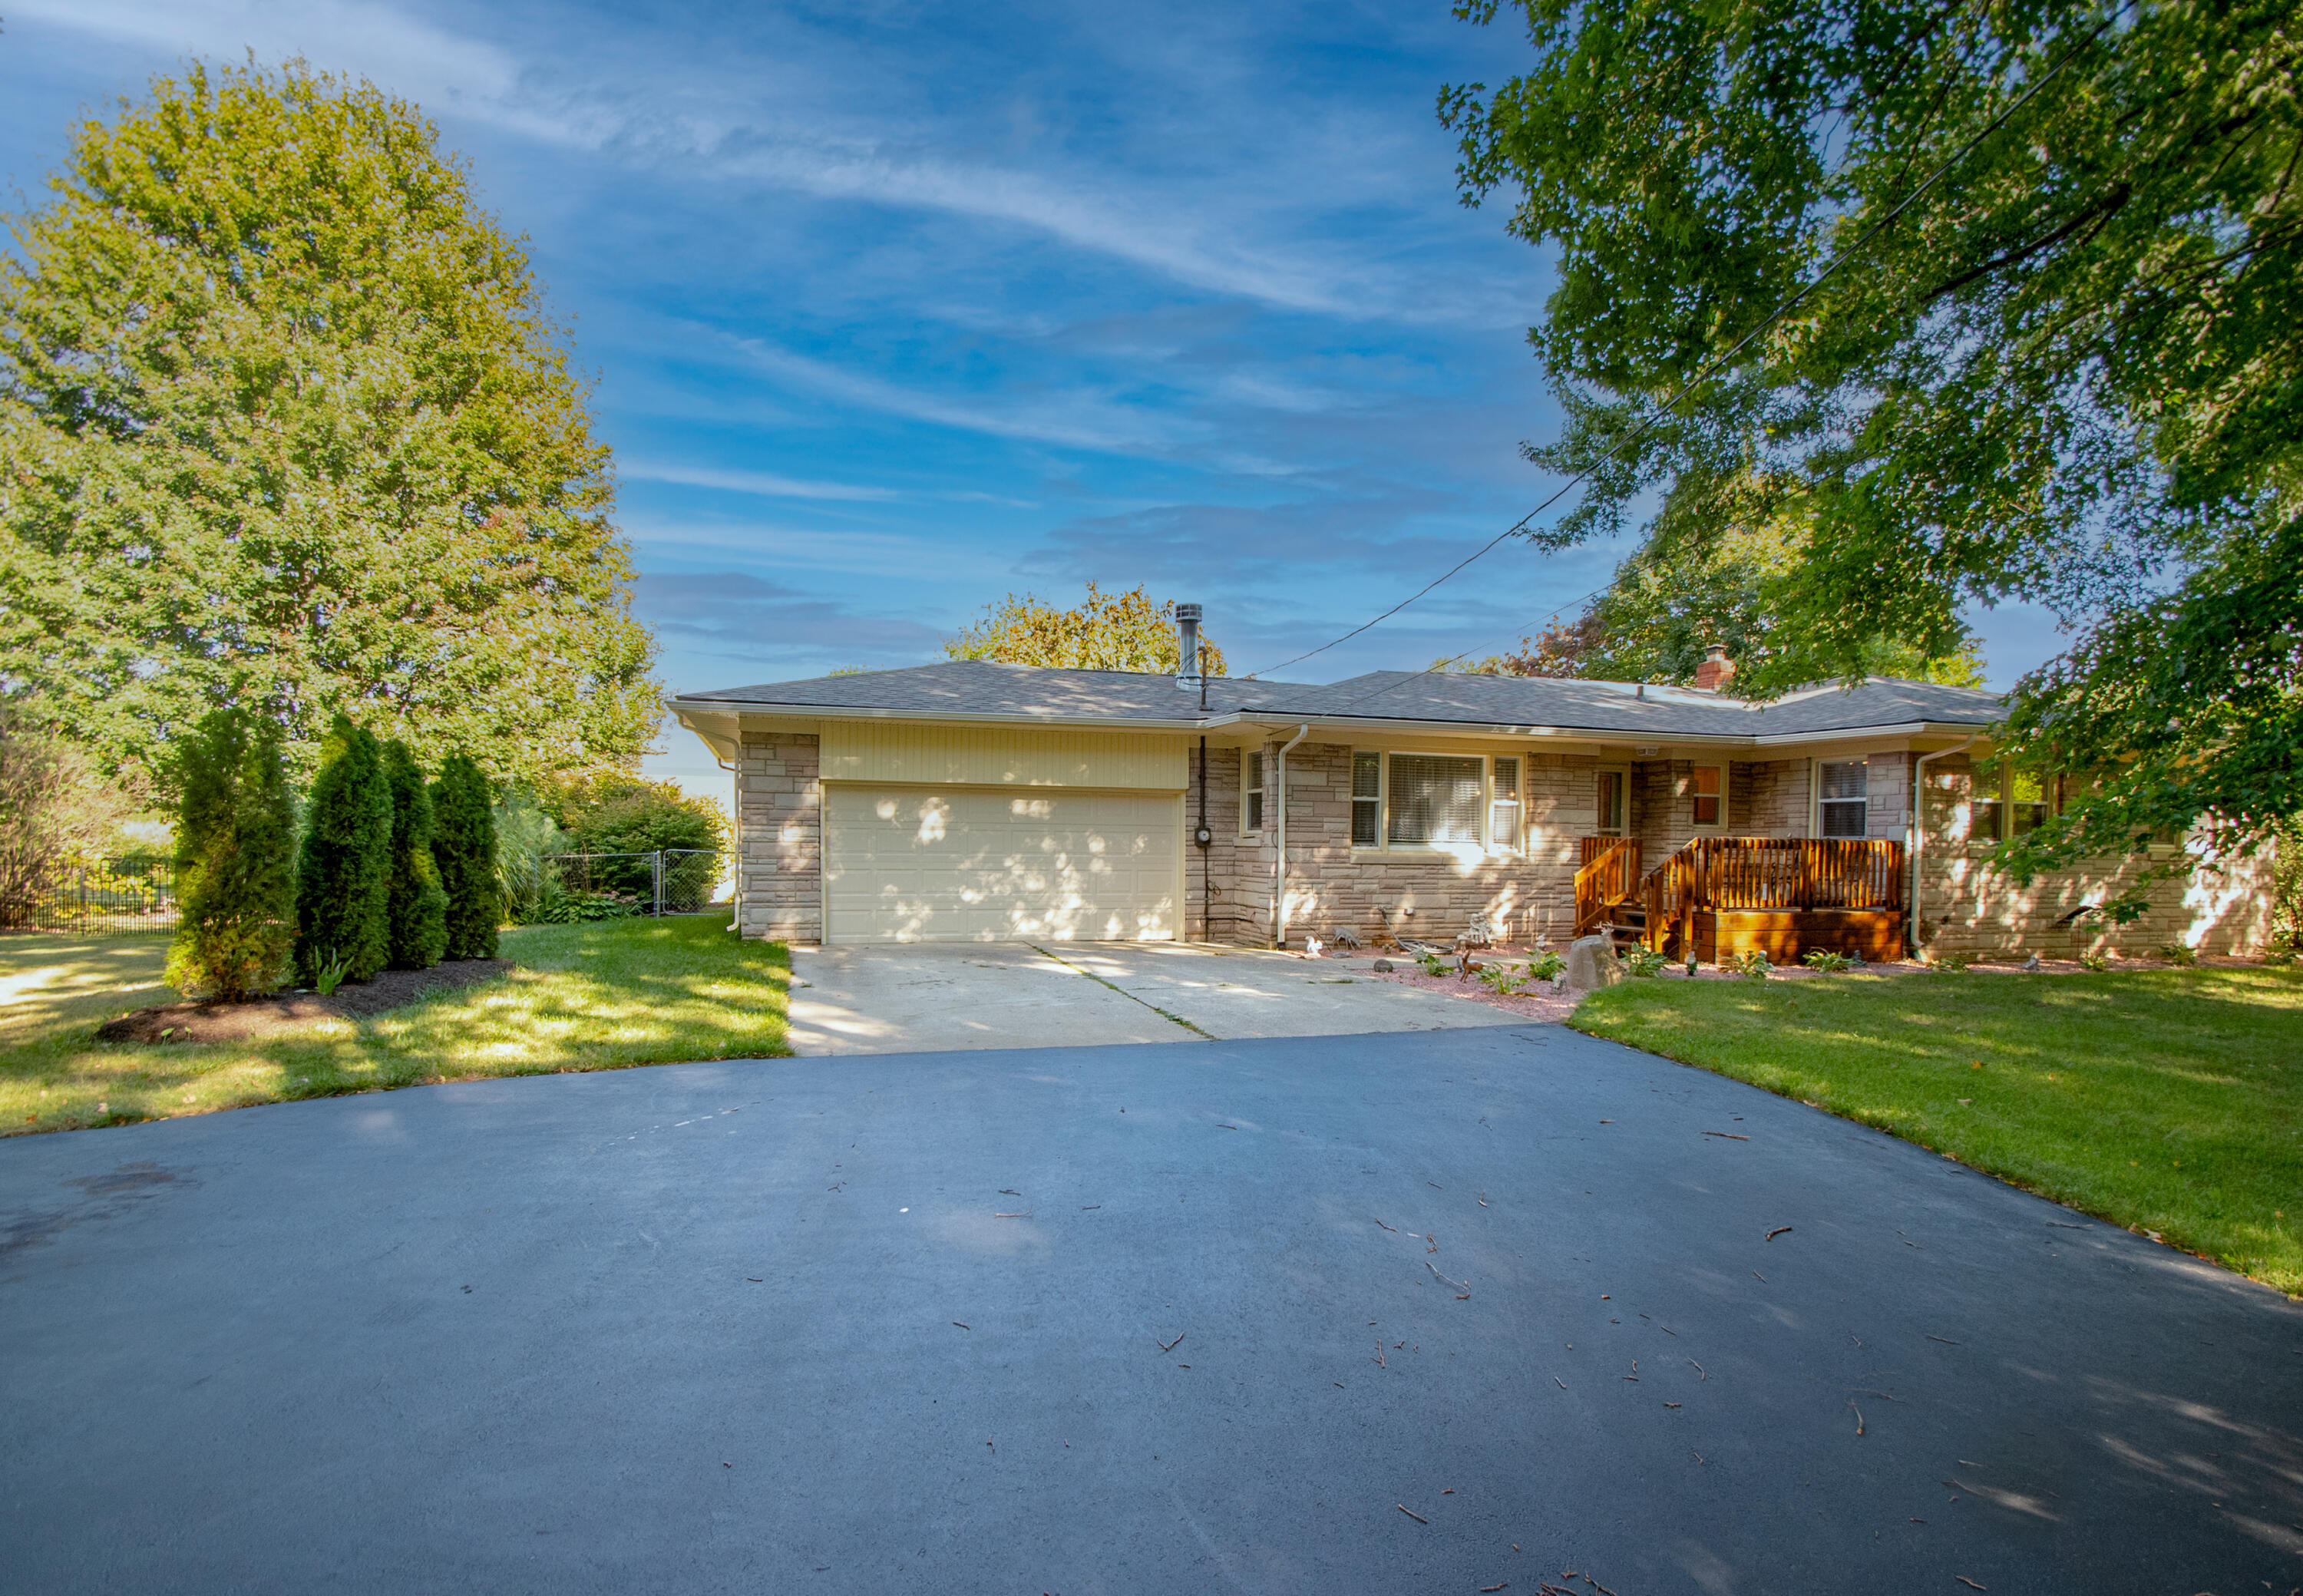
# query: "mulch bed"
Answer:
x=244 y=1022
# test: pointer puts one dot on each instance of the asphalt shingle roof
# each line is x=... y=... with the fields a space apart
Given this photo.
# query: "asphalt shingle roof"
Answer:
x=972 y=687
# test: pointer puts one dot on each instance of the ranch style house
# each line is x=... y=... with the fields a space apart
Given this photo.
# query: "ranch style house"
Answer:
x=972 y=801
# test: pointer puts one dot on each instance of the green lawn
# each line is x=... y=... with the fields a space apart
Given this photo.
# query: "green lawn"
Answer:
x=584 y=997
x=2167 y=1101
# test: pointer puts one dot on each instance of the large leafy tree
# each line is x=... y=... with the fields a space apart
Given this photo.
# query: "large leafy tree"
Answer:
x=1690 y=586
x=283 y=425
x=1105 y=631
x=2008 y=292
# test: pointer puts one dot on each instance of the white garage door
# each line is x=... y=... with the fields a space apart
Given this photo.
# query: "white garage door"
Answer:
x=905 y=863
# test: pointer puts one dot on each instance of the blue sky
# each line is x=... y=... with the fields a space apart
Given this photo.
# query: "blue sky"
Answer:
x=893 y=308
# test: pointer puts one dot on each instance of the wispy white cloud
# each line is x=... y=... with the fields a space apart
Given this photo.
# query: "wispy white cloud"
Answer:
x=749 y=121
x=766 y=484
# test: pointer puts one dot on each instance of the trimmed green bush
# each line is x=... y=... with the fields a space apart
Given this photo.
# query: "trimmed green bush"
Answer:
x=343 y=879
x=640 y=817
x=416 y=905
x=464 y=848
x=235 y=861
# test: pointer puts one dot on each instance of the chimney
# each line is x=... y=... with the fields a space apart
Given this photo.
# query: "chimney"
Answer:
x=1716 y=671
x=1187 y=647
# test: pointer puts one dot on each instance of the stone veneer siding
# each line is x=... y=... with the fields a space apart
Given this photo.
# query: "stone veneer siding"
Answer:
x=1970 y=906
x=1431 y=896
x=780 y=837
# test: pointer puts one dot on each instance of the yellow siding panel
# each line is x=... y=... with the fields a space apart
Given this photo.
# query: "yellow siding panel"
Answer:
x=981 y=756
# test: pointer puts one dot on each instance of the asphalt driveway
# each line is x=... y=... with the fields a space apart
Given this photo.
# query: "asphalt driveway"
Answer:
x=940 y=997
x=1412 y=1313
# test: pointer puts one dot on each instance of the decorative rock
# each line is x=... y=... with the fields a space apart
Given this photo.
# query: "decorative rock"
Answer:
x=1382 y=967
x=1593 y=964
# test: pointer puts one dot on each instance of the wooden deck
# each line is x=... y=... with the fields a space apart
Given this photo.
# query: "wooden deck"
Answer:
x=1719 y=898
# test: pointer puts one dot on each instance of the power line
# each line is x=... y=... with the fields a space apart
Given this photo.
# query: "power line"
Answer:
x=1704 y=371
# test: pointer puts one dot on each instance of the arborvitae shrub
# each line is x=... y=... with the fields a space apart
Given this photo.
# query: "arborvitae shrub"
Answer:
x=235 y=861
x=418 y=906
x=464 y=846
x=343 y=879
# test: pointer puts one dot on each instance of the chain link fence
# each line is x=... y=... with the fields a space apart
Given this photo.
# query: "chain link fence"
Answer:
x=606 y=886
x=108 y=898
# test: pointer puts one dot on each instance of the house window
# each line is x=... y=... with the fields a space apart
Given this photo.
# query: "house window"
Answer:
x=1434 y=798
x=1251 y=797
x=2006 y=800
x=1843 y=803
x=1503 y=807
x=2027 y=800
x=1706 y=784
x=1615 y=802
x=1367 y=800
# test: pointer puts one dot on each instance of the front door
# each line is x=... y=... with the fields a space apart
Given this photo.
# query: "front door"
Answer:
x=1615 y=803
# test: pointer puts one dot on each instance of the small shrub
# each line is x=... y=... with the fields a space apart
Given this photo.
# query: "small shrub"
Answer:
x=563 y=908
x=1825 y=962
x=2176 y=953
x=343 y=874
x=236 y=861
x=1502 y=980
x=1645 y=962
x=2281 y=952
x=1754 y=965
x=329 y=975
x=415 y=904
x=1432 y=964
x=2096 y=962
x=1545 y=965
x=1949 y=964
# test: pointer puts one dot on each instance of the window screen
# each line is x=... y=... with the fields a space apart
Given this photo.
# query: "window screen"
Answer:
x=1434 y=798
x=1252 y=795
x=1503 y=807
x=1706 y=783
x=2027 y=794
x=1614 y=801
x=1844 y=803
x=1986 y=807
x=1367 y=800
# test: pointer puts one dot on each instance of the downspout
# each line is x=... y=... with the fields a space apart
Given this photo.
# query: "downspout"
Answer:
x=1918 y=834
x=1202 y=838
x=1279 y=852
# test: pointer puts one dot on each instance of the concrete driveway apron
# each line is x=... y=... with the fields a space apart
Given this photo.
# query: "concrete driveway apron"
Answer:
x=1400 y=1313
x=933 y=997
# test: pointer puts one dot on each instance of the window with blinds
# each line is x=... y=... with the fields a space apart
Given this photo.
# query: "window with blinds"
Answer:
x=1434 y=798
x=1706 y=784
x=1843 y=803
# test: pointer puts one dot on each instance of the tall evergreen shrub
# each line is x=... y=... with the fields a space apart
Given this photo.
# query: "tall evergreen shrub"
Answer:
x=235 y=860
x=344 y=876
x=417 y=905
x=464 y=846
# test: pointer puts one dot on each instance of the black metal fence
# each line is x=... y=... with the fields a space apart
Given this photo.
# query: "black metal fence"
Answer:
x=670 y=881
x=120 y=895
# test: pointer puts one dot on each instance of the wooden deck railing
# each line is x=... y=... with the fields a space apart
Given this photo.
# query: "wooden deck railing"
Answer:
x=1726 y=874
x=1610 y=876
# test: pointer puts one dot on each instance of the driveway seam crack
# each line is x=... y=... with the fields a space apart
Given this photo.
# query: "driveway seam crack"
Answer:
x=1123 y=991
